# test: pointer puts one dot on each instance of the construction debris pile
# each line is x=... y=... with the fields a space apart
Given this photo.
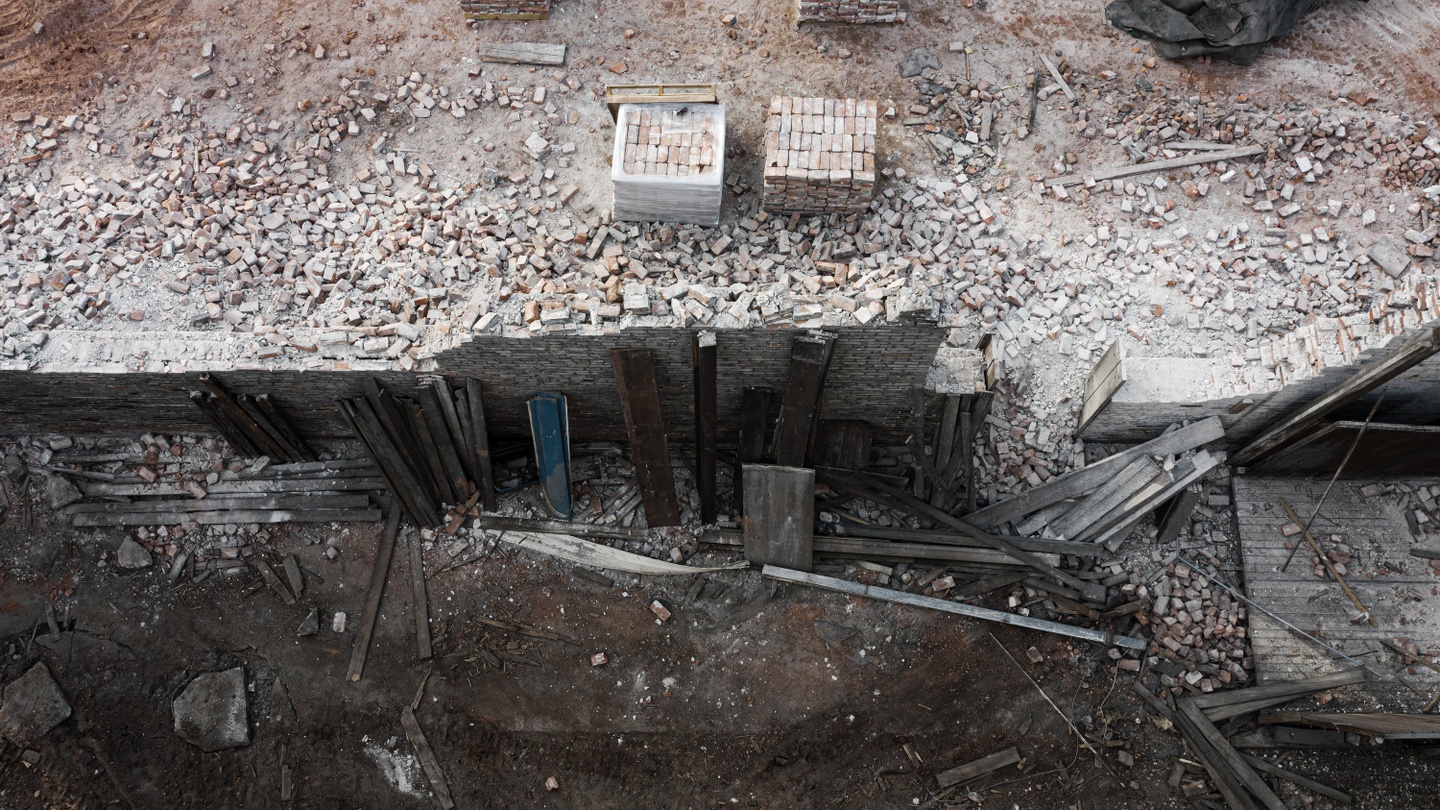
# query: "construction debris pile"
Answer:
x=819 y=155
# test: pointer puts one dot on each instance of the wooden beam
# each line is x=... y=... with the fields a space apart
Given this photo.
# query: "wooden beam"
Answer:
x=523 y=53
x=945 y=605
x=445 y=398
x=286 y=427
x=754 y=415
x=243 y=420
x=1039 y=545
x=402 y=480
x=1231 y=757
x=220 y=518
x=433 y=415
x=779 y=516
x=1086 y=479
x=809 y=362
x=703 y=358
x=640 y=402
x=1100 y=386
x=1415 y=351
x=1156 y=166
x=378 y=573
x=1173 y=516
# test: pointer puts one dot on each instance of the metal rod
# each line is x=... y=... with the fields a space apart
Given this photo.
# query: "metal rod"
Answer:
x=1338 y=470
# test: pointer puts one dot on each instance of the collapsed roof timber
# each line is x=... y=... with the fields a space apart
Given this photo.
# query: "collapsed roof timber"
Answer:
x=814 y=403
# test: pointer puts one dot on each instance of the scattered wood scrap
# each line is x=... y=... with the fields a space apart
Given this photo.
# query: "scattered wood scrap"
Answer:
x=983 y=766
x=253 y=425
x=523 y=53
x=947 y=606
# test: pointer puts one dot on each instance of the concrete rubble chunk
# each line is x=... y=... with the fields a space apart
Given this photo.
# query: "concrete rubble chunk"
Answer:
x=60 y=492
x=213 y=711
x=918 y=60
x=33 y=705
x=132 y=555
x=1391 y=257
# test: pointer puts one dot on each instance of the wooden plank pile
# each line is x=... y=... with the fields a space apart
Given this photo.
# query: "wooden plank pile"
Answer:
x=432 y=450
x=306 y=492
x=1235 y=775
x=819 y=155
x=1103 y=502
x=668 y=163
x=860 y=12
x=254 y=426
x=506 y=9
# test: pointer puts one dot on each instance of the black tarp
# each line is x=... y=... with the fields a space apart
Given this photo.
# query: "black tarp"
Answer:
x=1231 y=29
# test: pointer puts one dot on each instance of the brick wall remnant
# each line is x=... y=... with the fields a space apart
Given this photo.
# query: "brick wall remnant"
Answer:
x=505 y=9
x=849 y=11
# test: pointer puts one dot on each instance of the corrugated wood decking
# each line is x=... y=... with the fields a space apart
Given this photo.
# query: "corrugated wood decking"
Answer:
x=1396 y=587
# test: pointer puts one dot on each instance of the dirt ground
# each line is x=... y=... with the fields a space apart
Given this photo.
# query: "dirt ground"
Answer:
x=736 y=700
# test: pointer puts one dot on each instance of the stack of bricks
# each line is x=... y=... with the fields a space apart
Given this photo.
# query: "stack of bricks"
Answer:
x=819 y=155
x=506 y=9
x=663 y=143
x=849 y=11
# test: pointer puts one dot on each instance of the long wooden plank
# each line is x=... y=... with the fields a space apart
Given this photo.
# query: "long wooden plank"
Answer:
x=1391 y=726
x=523 y=53
x=445 y=399
x=428 y=762
x=273 y=486
x=1109 y=495
x=237 y=414
x=482 y=445
x=420 y=599
x=1173 y=516
x=1288 y=691
x=402 y=479
x=1383 y=452
x=780 y=516
x=858 y=548
x=1156 y=166
x=216 y=503
x=270 y=429
x=395 y=420
x=704 y=355
x=978 y=768
x=292 y=437
x=799 y=410
x=1231 y=757
x=903 y=500
x=378 y=574
x=947 y=606
x=1039 y=545
x=508 y=524
x=750 y=449
x=433 y=417
x=267 y=516
x=1290 y=776
x=1084 y=480
x=1214 y=761
x=1100 y=386
x=1415 y=351
x=640 y=403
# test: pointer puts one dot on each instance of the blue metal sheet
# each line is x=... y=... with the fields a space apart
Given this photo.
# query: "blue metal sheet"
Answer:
x=550 y=431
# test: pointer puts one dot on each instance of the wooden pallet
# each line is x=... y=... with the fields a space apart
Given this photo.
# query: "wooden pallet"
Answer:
x=617 y=94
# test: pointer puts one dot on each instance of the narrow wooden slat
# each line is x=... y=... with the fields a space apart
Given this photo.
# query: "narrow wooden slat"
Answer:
x=809 y=361
x=267 y=516
x=1133 y=169
x=262 y=420
x=451 y=417
x=1232 y=759
x=395 y=421
x=640 y=403
x=243 y=420
x=1039 y=545
x=378 y=574
x=403 y=480
x=704 y=357
x=287 y=429
x=228 y=431
x=431 y=421
x=978 y=768
x=428 y=762
x=1290 y=776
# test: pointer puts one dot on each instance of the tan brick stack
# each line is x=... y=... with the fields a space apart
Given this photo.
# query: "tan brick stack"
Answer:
x=819 y=155
x=661 y=142
x=506 y=9
x=849 y=11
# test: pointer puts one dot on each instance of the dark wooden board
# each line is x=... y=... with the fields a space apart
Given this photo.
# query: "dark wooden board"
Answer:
x=640 y=402
x=1385 y=453
x=754 y=415
x=705 y=355
x=779 y=516
x=809 y=361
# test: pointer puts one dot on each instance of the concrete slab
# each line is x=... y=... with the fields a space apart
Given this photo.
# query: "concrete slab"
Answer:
x=213 y=711
x=33 y=705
